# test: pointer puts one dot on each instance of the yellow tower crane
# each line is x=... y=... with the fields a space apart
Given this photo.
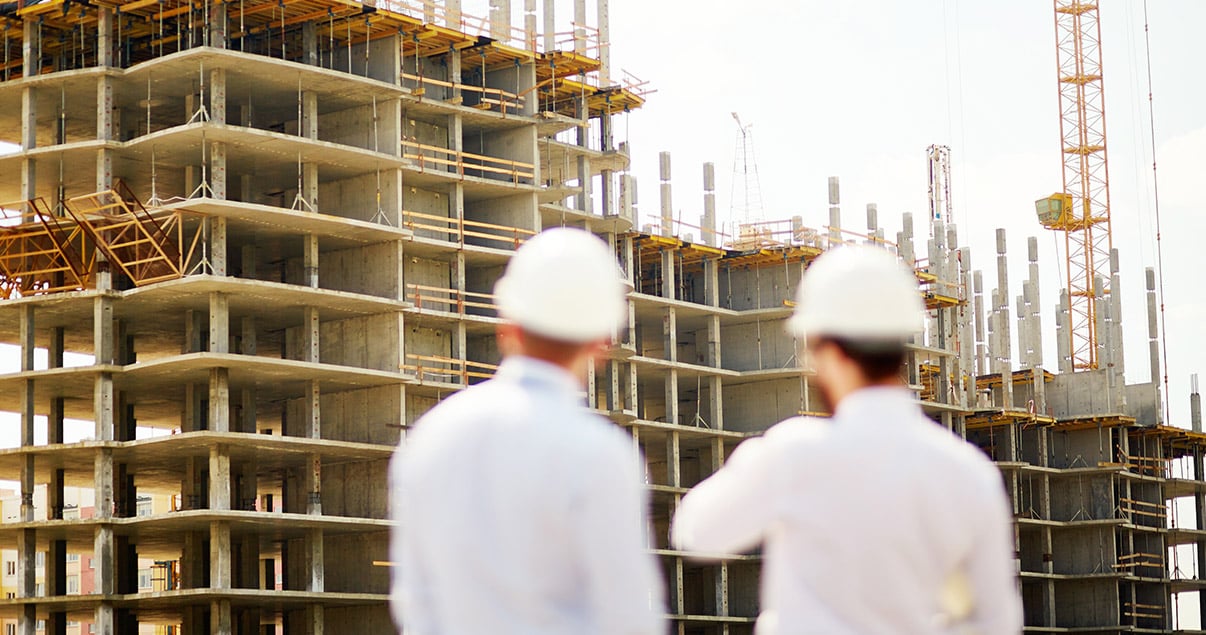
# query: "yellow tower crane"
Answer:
x=1082 y=210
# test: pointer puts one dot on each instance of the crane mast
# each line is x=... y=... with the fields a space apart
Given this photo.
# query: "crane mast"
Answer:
x=1082 y=209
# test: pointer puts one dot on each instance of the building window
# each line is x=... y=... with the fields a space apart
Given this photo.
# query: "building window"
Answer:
x=41 y=589
x=73 y=584
x=10 y=629
x=71 y=624
x=144 y=578
x=144 y=507
x=73 y=557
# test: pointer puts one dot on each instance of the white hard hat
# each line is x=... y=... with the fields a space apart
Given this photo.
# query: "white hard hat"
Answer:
x=564 y=284
x=858 y=292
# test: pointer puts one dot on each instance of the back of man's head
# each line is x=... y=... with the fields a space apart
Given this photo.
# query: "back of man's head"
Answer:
x=865 y=301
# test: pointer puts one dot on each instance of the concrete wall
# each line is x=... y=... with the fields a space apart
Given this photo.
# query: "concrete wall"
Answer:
x=372 y=619
x=755 y=407
x=365 y=342
x=1090 y=497
x=1143 y=403
x=372 y=269
x=763 y=287
x=1080 y=448
x=754 y=346
x=345 y=491
x=1083 y=393
x=349 y=568
x=422 y=340
x=369 y=415
x=1086 y=602
x=509 y=211
x=1083 y=550
x=356 y=197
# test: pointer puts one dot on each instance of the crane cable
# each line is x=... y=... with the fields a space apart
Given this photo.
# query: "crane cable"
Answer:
x=1151 y=117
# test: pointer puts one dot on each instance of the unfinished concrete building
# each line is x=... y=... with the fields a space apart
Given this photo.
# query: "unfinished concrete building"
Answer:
x=274 y=229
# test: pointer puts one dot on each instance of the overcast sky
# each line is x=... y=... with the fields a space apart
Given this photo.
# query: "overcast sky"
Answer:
x=858 y=90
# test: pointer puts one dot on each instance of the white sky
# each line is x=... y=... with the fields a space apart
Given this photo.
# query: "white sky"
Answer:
x=859 y=90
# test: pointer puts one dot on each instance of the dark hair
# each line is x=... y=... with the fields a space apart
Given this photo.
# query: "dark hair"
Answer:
x=877 y=359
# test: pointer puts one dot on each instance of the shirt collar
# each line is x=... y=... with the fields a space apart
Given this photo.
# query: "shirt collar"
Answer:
x=876 y=403
x=535 y=372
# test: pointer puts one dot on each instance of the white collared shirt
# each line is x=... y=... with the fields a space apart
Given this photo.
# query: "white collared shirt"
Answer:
x=866 y=520
x=520 y=512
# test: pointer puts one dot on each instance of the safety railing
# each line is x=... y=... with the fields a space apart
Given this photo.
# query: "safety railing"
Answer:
x=493 y=99
x=780 y=234
x=451 y=300
x=458 y=162
x=446 y=369
x=456 y=229
x=583 y=38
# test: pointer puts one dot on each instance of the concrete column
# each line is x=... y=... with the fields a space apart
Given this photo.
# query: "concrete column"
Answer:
x=1005 y=366
x=310 y=260
x=1035 y=301
x=219 y=613
x=1153 y=348
x=105 y=131
x=1063 y=333
x=1195 y=412
x=604 y=26
x=667 y=204
x=713 y=359
x=314 y=561
x=550 y=26
x=628 y=200
x=673 y=459
x=31 y=48
x=579 y=27
x=220 y=564
x=104 y=37
x=530 y=34
x=978 y=309
x=670 y=334
x=28 y=346
x=219 y=322
x=103 y=352
x=669 y=280
x=310 y=52
x=708 y=222
x=104 y=557
x=906 y=248
x=835 y=211
x=27 y=544
x=872 y=222
x=500 y=20
x=584 y=200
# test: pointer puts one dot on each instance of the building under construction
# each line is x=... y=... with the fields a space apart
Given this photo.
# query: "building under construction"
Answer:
x=272 y=229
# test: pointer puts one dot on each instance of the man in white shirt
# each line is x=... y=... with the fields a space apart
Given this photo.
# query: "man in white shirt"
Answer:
x=879 y=520
x=518 y=511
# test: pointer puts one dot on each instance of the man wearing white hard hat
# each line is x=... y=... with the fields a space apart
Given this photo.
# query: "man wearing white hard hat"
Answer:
x=517 y=510
x=879 y=520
